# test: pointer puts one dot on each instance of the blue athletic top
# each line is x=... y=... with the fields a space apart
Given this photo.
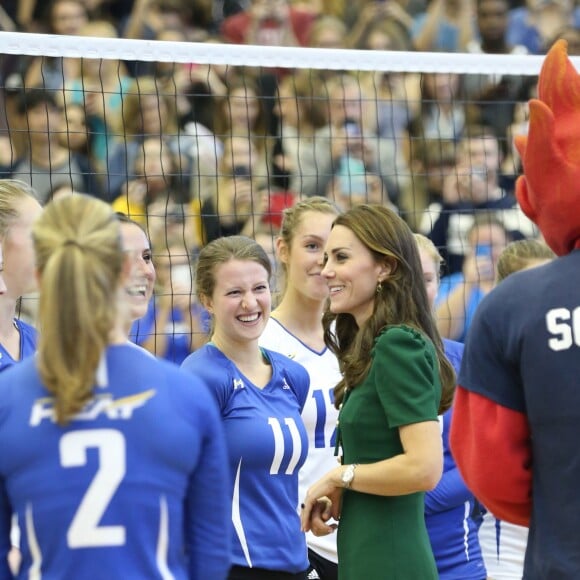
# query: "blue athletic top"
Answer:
x=267 y=445
x=178 y=340
x=448 y=508
x=133 y=487
x=28 y=340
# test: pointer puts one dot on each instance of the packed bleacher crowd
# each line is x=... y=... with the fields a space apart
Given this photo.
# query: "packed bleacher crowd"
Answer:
x=195 y=152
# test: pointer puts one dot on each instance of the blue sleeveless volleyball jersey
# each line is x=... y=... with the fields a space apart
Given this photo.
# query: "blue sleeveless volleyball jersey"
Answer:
x=28 y=340
x=448 y=508
x=267 y=445
x=133 y=487
x=178 y=345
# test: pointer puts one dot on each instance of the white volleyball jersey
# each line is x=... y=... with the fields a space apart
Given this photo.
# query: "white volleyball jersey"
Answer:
x=319 y=415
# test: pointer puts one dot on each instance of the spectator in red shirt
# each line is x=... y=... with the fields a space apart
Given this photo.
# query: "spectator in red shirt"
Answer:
x=269 y=23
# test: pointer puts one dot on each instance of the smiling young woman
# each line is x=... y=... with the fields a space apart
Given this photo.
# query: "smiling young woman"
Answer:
x=261 y=395
x=295 y=330
x=395 y=382
x=18 y=211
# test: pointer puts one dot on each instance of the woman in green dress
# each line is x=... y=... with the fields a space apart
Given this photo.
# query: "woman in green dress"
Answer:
x=396 y=380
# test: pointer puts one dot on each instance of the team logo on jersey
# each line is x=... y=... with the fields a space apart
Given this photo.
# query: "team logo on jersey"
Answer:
x=285 y=385
x=104 y=404
x=238 y=384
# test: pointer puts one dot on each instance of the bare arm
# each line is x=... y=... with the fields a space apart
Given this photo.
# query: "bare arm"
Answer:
x=465 y=23
x=25 y=12
x=452 y=313
x=417 y=469
x=369 y=13
x=6 y=23
x=137 y=19
x=425 y=39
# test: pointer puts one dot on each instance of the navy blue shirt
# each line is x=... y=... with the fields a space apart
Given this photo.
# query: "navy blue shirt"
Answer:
x=523 y=353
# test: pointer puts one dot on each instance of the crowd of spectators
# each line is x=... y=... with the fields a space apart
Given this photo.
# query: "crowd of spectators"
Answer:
x=207 y=151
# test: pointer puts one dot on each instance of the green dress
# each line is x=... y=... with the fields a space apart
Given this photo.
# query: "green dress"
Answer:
x=384 y=538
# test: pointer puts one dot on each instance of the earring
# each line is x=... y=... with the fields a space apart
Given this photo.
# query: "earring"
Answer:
x=379 y=288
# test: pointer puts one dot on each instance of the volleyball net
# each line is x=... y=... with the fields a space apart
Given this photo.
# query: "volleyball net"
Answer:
x=195 y=141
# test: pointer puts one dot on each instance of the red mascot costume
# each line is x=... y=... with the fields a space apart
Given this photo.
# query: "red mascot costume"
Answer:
x=516 y=425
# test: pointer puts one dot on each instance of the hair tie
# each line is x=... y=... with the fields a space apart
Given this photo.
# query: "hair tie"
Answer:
x=72 y=243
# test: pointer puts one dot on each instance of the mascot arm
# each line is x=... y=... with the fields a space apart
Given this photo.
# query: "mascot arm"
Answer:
x=491 y=446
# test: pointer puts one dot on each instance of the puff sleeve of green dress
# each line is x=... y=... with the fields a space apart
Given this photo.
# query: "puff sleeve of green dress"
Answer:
x=384 y=538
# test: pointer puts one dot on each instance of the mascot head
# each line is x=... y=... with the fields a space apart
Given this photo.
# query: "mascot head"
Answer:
x=549 y=189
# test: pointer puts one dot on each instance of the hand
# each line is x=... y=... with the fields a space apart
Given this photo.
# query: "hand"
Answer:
x=208 y=75
x=368 y=154
x=323 y=501
x=284 y=163
x=282 y=15
x=370 y=12
x=262 y=203
x=242 y=195
x=136 y=192
x=182 y=297
x=94 y=103
x=478 y=270
x=321 y=513
x=338 y=141
x=259 y=11
x=465 y=183
x=395 y=11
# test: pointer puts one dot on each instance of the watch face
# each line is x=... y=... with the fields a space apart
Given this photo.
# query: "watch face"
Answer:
x=348 y=475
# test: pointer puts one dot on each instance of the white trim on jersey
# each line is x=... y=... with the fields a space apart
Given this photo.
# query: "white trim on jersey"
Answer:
x=35 y=572
x=237 y=518
x=466 y=514
x=163 y=540
x=102 y=373
x=15 y=532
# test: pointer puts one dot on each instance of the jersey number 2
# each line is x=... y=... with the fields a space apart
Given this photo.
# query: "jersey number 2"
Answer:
x=84 y=531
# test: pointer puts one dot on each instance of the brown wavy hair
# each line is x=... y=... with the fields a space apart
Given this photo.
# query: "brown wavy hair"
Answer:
x=402 y=300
